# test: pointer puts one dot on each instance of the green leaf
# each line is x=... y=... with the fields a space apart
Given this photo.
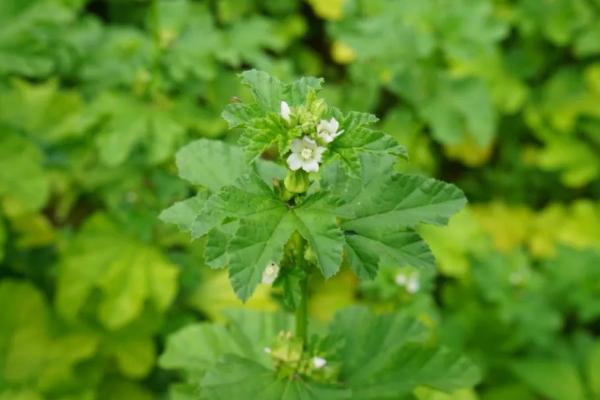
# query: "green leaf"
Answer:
x=592 y=368
x=238 y=114
x=297 y=91
x=183 y=213
x=135 y=357
x=385 y=357
x=126 y=273
x=358 y=139
x=45 y=111
x=197 y=347
x=217 y=241
x=552 y=379
x=246 y=41
x=392 y=200
x=25 y=394
x=31 y=352
x=239 y=378
x=258 y=137
x=259 y=328
x=257 y=242
x=265 y=225
x=31 y=41
x=184 y=391
x=215 y=164
x=22 y=171
x=130 y=124
x=267 y=90
x=210 y=163
x=372 y=247
x=390 y=331
x=410 y=200
x=318 y=225
x=23 y=332
x=385 y=212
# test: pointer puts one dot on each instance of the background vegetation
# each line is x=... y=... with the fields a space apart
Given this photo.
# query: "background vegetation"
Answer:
x=500 y=97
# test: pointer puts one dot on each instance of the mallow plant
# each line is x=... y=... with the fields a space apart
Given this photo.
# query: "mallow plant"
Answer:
x=307 y=190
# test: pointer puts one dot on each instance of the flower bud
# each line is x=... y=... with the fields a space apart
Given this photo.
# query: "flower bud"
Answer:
x=309 y=255
x=318 y=362
x=296 y=181
x=318 y=108
x=270 y=273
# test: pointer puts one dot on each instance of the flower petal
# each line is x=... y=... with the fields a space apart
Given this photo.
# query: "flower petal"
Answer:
x=294 y=162
x=285 y=111
x=311 y=166
x=297 y=145
x=308 y=142
x=334 y=124
x=322 y=126
x=325 y=137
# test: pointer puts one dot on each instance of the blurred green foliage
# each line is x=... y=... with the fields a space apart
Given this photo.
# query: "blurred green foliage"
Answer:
x=500 y=97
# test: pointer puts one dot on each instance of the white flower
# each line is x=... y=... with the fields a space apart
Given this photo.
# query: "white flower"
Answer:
x=267 y=350
x=319 y=362
x=306 y=154
x=270 y=273
x=328 y=130
x=285 y=111
x=400 y=279
x=413 y=285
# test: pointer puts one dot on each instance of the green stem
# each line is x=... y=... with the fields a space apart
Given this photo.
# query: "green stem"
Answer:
x=302 y=313
x=302 y=310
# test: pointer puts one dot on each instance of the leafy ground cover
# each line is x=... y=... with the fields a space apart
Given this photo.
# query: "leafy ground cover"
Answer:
x=498 y=97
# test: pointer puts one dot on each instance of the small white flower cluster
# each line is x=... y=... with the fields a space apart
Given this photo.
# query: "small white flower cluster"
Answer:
x=411 y=283
x=270 y=273
x=306 y=152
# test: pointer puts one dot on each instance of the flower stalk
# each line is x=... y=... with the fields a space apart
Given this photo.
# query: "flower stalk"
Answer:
x=302 y=309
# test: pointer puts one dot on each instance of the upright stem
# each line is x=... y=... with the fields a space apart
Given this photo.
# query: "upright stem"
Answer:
x=302 y=310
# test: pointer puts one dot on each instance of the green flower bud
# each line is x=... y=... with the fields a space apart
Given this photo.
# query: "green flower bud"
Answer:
x=318 y=108
x=296 y=181
x=287 y=348
x=309 y=255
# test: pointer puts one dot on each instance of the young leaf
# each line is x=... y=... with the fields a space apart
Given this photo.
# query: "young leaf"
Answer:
x=267 y=90
x=358 y=139
x=210 y=163
x=297 y=91
x=260 y=136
